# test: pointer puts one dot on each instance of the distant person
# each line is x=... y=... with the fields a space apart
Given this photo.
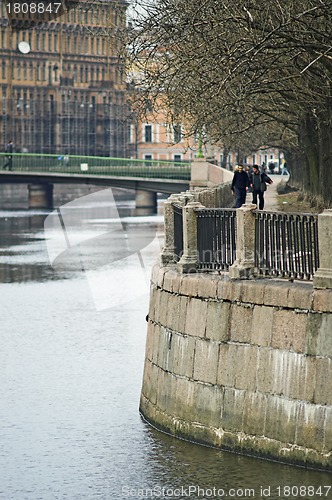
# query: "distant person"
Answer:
x=284 y=170
x=9 y=156
x=240 y=185
x=258 y=181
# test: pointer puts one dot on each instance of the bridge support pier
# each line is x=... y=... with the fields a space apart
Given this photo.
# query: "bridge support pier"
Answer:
x=40 y=195
x=146 y=202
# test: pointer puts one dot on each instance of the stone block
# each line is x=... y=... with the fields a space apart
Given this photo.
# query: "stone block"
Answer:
x=208 y=404
x=254 y=415
x=245 y=377
x=150 y=382
x=328 y=431
x=206 y=361
x=322 y=300
x=313 y=329
x=300 y=296
x=173 y=312
x=281 y=422
x=323 y=393
x=320 y=334
x=165 y=388
x=276 y=294
x=289 y=330
x=311 y=426
x=253 y=291
x=301 y=371
x=189 y=285
x=196 y=317
x=154 y=303
x=163 y=307
x=240 y=323
x=164 y=349
x=185 y=399
x=231 y=290
x=184 y=301
x=233 y=410
x=160 y=278
x=154 y=274
x=265 y=374
x=217 y=321
x=227 y=365
x=183 y=349
x=207 y=286
x=170 y=280
x=152 y=340
x=293 y=375
x=262 y=325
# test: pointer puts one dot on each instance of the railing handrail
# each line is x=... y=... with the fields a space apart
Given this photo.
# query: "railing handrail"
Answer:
x=104 y=158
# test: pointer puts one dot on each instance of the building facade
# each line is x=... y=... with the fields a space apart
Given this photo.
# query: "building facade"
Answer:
x=62 y=87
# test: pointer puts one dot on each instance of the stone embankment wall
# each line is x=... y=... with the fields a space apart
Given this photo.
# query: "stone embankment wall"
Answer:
x=241 y=365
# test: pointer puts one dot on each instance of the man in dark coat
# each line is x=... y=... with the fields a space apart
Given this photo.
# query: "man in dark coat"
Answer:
x=9 y=156
x=240 y=185
x=258 y=183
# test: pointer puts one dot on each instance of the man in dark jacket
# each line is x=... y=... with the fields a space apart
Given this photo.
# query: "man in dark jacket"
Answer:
x=9 y=156
x=240 y=185
x=258 y=183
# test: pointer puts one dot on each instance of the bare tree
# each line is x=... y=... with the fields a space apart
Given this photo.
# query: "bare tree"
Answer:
x=248 y=72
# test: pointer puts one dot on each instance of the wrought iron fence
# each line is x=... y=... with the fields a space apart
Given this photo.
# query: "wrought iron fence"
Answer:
x=216 y=238
x=178 y=231
x=286 y=244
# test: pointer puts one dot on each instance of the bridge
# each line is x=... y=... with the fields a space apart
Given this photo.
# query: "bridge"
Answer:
x=146 y=177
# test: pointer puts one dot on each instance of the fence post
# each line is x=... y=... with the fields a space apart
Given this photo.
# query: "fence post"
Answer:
x=244 y=265
x=167 y=253
x=189 y=260
x=323 y=275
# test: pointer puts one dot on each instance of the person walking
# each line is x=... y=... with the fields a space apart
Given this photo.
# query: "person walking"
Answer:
x=9 y=156
x=284 y=169
x=240 y=185
x=258 y=183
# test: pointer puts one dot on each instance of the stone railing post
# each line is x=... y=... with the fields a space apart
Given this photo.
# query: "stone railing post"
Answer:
x=323 y=275
x=168 y=250
x=189 y=260
x=167 y=253
x=244 y=265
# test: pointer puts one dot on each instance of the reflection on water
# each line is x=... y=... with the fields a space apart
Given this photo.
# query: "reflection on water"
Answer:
x=70 y=385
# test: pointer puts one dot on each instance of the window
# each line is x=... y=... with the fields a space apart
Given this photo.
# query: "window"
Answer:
x=148 y=133
x=177 y=158
x=177 y=133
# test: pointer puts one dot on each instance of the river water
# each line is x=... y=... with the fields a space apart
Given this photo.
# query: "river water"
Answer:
x=71 y=357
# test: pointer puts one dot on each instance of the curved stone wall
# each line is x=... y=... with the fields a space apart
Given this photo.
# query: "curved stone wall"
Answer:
x=241 y=365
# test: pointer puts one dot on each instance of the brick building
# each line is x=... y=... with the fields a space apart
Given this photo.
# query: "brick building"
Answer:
x=62 y=88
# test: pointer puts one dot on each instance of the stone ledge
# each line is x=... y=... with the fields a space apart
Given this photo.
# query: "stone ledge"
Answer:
x=268 y=292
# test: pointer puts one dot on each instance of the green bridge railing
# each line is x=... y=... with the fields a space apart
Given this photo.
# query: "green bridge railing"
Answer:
x=97 y=165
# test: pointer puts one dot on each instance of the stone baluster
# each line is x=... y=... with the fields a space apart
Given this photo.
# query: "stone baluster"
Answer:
x=189 y=260
x=323 y=276
x=167 y=253
x=244 y=265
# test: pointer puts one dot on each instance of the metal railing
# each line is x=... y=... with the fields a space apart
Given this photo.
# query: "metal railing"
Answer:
x=216 y=238
x=281 y=244
x=97 y=165
x=286 y=244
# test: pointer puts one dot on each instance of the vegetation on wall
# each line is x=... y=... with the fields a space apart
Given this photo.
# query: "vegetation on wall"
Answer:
x=246 y=73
